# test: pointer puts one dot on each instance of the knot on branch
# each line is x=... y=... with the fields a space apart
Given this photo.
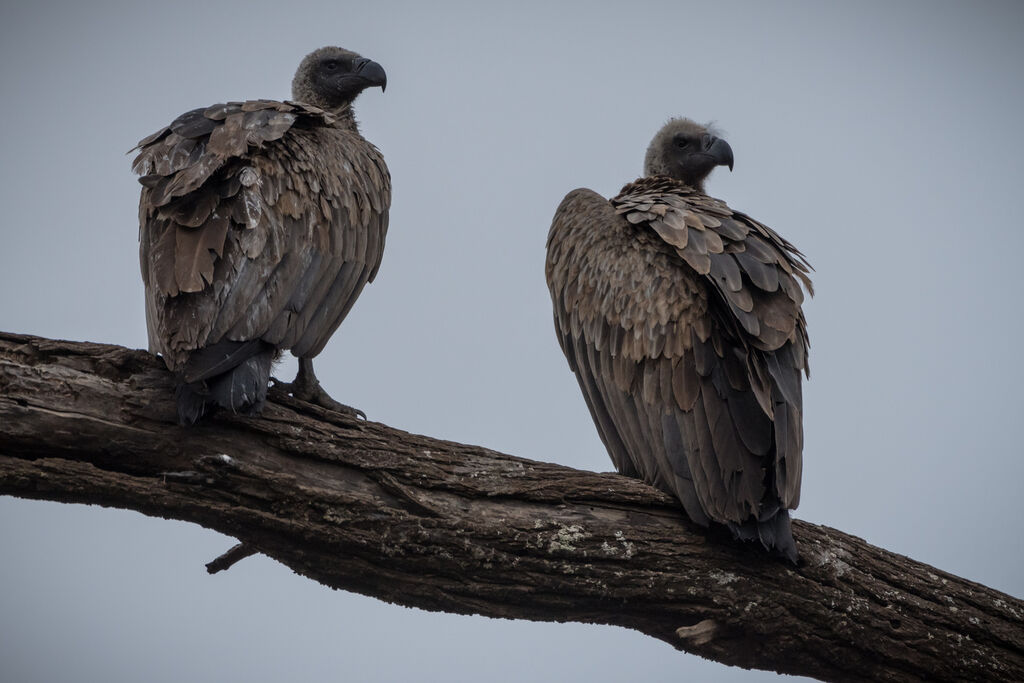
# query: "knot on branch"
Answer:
x=701 y=633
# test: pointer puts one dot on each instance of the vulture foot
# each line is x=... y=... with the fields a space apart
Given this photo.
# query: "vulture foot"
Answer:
x=306 y=387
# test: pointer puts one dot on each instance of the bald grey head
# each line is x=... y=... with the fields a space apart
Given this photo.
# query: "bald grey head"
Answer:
x=332 y=77
x=687 y=151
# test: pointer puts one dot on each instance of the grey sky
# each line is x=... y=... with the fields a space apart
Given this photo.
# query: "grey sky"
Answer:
x=883 y=139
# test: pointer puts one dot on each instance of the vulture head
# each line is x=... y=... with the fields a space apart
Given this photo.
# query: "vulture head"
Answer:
x=686 y=151
x=332 y=77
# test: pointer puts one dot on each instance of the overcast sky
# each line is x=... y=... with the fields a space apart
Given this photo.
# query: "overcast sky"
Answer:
x=883 y=139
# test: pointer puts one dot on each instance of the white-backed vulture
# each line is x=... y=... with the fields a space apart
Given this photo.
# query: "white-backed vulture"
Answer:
x=681 y=319
x=260 y=223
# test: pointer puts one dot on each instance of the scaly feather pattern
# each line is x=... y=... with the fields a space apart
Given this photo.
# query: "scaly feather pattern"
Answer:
x=682 y=322
x=260 y=220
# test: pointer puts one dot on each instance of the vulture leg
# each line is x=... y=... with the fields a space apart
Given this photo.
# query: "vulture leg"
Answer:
x=306 y=387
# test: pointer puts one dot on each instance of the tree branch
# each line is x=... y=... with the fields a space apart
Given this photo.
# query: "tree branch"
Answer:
x=445 y=526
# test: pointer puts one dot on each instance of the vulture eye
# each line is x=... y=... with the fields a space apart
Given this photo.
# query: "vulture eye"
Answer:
x=331 y=66
x=682 y=143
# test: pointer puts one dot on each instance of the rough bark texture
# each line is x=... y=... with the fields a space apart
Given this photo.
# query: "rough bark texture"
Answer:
x=445 y=526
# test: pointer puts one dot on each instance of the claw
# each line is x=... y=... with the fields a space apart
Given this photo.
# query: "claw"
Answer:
x=306 y=387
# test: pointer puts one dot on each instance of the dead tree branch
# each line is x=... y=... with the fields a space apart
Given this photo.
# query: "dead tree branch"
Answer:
x=445 y=526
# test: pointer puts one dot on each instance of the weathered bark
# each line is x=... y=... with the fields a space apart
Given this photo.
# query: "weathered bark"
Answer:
x=444 y=526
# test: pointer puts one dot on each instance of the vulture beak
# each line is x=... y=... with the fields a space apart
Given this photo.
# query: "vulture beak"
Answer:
x=371 y=72
x=719 y=150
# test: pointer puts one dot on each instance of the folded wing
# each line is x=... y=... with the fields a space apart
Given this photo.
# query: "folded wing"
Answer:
x=682 y=322
x=260 y=220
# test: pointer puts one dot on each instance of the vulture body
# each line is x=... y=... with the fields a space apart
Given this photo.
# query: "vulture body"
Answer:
x=260 y=223
x=681 y=319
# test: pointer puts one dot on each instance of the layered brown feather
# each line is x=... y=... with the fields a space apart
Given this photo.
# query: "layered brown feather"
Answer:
x=682 y=321
x=258 y=220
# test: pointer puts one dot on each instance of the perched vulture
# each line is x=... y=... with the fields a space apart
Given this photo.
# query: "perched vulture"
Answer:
x=260 y=223
x=681 y=319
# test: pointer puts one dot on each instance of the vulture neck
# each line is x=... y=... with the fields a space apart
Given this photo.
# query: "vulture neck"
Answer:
x=345 y=117
x=697 y=186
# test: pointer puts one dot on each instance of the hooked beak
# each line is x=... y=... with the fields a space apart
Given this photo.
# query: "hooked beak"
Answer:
x=372 y=73
x=719 y=150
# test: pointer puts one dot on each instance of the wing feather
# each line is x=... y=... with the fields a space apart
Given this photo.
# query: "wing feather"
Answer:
x=245 y=217
x=681 y=321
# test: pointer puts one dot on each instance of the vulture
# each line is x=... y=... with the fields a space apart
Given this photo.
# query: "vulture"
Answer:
x=260 y=223
x=681 y=319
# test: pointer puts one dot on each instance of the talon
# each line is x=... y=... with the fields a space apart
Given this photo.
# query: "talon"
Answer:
x=306 y=387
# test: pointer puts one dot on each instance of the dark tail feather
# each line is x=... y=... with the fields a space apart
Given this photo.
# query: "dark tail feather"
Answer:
x=191 y=403
x=774 y=533
x=240 y=389
x=219 y=359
